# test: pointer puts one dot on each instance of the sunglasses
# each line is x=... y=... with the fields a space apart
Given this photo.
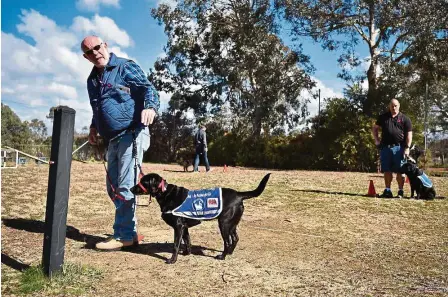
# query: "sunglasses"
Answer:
x=96 y=48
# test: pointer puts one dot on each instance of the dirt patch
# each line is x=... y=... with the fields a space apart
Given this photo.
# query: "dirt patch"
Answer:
x=309 y=234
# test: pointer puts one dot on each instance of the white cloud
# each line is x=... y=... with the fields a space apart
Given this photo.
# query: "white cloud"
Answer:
x=7 y=91
x=325 y=93
x=64 y=90
x=94 y=5
x=117 y=51
x=170 y=3
x=104 y=27
x=49 y=69
x=20 y=57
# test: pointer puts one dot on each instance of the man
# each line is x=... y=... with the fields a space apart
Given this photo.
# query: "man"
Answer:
x=200 y=143
x=396 y=138
x=124 y=103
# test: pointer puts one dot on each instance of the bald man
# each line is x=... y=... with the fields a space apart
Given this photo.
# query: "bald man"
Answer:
x=396 y=139
x=124 y=104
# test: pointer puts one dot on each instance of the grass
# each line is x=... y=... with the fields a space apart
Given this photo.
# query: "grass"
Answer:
x=309 y=234
x=75 y=280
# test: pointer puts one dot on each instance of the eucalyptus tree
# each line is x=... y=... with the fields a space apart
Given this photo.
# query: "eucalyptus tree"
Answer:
x=391 y=29
x=228 y=51
x=14 y=133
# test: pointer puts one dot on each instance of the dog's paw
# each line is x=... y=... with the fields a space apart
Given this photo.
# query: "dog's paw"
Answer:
x=220 y=257
x=171 y=261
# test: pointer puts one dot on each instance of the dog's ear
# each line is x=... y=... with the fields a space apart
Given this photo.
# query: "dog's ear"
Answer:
x=154 y=182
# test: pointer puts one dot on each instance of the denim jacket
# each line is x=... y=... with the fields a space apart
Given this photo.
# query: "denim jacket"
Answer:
x=118 y=97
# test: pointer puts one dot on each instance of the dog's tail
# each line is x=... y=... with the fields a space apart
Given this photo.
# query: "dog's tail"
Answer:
x=257 y=192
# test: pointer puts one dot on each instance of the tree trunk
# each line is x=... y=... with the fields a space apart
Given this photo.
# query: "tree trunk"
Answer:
x=256 y=123
x=372 y=79
x=372 y=92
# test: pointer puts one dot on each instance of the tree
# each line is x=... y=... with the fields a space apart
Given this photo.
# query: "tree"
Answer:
x=228 y=52
x=85 y=130
x=171 y=133
x=14 y=132
x=392 y=30
x=342 y=138
x=430 y=62
x=38 y=130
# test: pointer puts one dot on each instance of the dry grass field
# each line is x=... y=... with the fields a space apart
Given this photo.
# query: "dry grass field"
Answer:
x=309 y=234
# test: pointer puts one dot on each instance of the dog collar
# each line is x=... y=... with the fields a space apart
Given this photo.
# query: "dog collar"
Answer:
x=162 y=186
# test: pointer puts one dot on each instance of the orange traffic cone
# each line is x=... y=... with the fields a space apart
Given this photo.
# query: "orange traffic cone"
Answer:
x=371 y=192
x=225 y=168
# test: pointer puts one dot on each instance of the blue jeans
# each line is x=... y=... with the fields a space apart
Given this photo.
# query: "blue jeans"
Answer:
x=391 y=158
x=196 y=161
x=122 y=172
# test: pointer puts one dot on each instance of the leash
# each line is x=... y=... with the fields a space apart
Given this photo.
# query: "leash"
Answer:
x=136 y=165
x=116 y=195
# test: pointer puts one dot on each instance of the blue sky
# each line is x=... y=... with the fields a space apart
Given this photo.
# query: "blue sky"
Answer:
x=42 y=64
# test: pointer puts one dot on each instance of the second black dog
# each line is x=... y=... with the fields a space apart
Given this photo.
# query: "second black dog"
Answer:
x=418 y=180
x=170 y=196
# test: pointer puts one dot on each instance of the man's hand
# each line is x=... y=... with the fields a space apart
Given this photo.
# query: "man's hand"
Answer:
x=205 y=149
x=92 y=136
x=406 y=152
x=148 y=116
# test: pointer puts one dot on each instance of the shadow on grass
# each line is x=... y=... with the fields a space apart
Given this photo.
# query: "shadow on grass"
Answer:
x=36 y=226
x=13 y=263
x=377 y=176
x=333 y=193
x=154 y=249
x=151 y=249
x=178 y=171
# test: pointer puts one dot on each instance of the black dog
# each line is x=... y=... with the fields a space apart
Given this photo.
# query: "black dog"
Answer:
x=185 y=159
x=170 y=196
x=418 y=180
x=185 y=164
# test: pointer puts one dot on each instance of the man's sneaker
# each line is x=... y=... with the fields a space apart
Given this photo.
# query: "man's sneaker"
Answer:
x=400 y=194
x=112 y=244
x=386 y=194
x=210 y=169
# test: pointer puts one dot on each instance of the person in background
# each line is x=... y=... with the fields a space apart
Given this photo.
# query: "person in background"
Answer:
x=200 y=143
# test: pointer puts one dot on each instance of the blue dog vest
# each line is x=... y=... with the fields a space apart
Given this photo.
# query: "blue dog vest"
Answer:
x=205 y=204
x=425 y=180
